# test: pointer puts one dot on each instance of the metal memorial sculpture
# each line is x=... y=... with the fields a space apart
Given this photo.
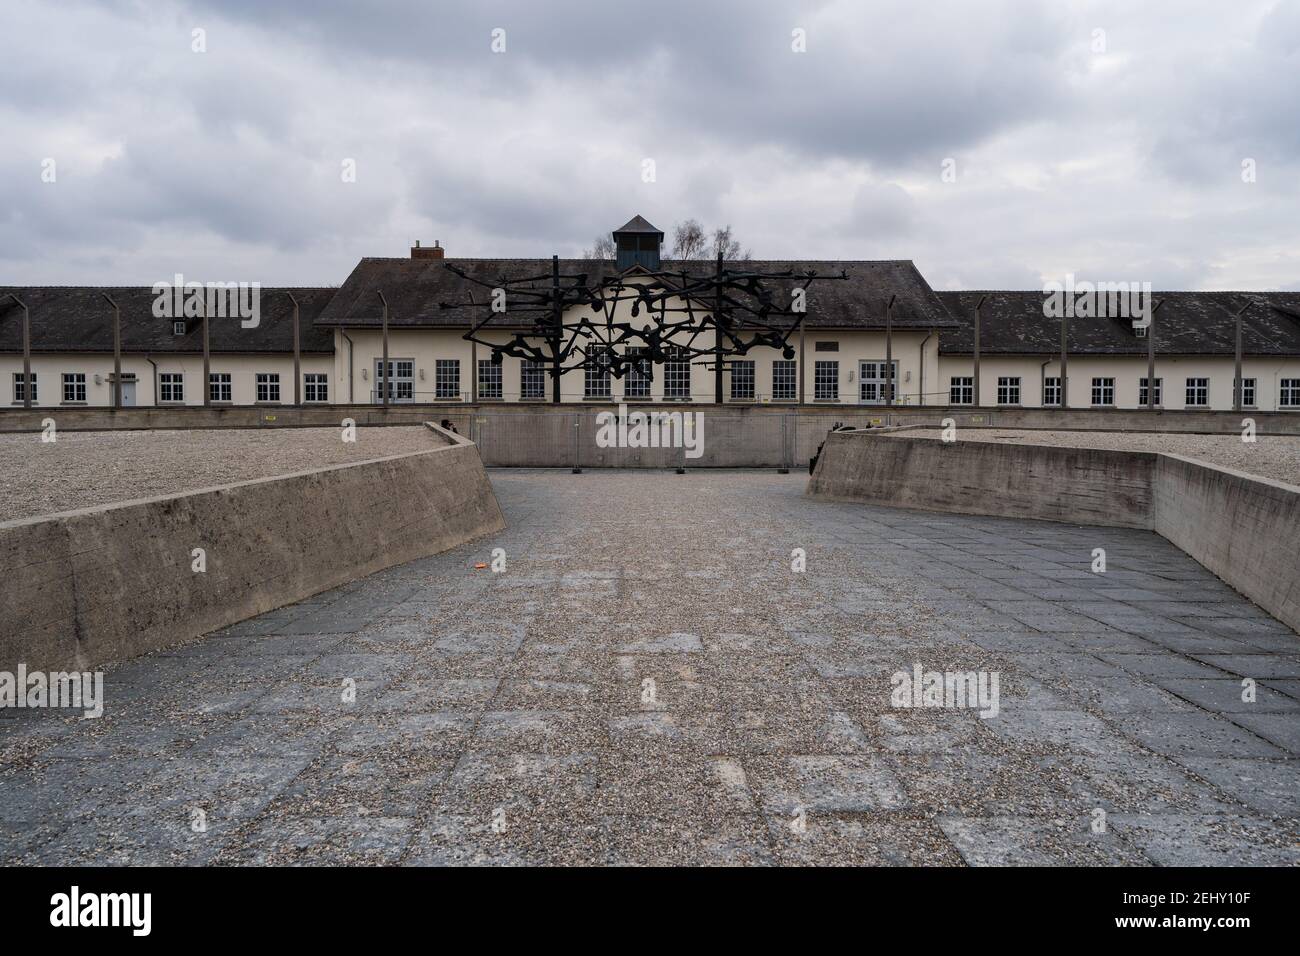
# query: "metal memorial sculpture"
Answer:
x=685 y=315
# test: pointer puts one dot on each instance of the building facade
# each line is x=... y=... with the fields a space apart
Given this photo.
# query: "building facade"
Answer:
x=883 y=325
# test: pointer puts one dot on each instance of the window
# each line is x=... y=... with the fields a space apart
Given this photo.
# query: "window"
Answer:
x=490 y=384
x=636 y=380
x=961 y=390
x=1052 y=390
x=826 y=347
x=446 y=379
x=268 y=386
x=171 y=387
x=20 y=388
x=1140 y=331
x=74 y=386
x=596 y=377
x=677 y=374
x=1289 y=397
x=401 y=380
x=219 y=387
x=1198 y=392
x=826 y=381
x=742 y=381
x=1009 y=390
x=1142 y=391
x=872 y=384
x=784 y=380
x=1103 y=391
x=315 y=387
x=532 y=379
x=1247 y=392
x=178 y=328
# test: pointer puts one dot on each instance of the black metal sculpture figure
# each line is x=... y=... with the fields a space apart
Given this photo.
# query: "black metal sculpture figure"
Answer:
x=735 y=307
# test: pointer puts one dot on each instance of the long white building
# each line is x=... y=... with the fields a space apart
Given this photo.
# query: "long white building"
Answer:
x=842 y=354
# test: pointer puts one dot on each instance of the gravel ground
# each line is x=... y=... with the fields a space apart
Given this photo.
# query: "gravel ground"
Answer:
x=83 y=469
x=637 y=689
x=1271 y=456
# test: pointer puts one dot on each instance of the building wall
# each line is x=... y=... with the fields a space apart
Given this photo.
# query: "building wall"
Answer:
x=98 y=369
x=1172 y=373
x=923 y=375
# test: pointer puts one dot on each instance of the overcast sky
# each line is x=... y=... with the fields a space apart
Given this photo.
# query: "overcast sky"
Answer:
x=1106 y=139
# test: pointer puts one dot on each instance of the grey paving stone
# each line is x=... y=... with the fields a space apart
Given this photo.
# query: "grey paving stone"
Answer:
x=1269 y=786
x=1034 y=841
x=1282 y=729
x=1225 y=696
x=827 y=784
x=1194 y=734
x=1207 y=840
x=1258 y=666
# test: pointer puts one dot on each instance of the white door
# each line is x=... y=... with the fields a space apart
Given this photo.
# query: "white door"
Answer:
x=128 y=394
x=872 y=383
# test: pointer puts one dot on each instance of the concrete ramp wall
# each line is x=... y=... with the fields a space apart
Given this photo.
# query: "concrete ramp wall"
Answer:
x=1242 y=528
x=101 y=584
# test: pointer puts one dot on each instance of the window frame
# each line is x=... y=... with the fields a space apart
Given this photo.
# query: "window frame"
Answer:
x=217 y=382
x=1291 y=385
x=446 y=380
x=959 y=385
x=747 y=380
x=826 y=388
x=1052 y=383
x=171 y=388
x=1103 y=384
x=315 y=381
x=779 y=385
x=264 y=384
x=20 y=388
x=77 y=382
x=528 y=368
x=1009 y=386
x=1160 y=392
x=677 y=375
x=495 y=377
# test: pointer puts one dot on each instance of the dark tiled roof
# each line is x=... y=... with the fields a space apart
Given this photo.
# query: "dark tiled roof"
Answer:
x=1187 y=323
x=639 y=224
x=415 y=288
x=77 y=319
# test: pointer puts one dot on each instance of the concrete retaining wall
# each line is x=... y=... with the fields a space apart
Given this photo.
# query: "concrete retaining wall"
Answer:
x=1079 y=485
x=1243 y=528
x=108 y=583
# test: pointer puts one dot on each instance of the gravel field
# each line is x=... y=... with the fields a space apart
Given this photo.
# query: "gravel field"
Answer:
x=82 y=469
x=1276 y=457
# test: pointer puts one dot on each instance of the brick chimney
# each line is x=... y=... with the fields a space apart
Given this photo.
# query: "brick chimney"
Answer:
x=427 y=252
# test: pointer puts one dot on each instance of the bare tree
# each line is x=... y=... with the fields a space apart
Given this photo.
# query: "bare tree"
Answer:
x=725 y=243
x=689 y=240
x=602 y=247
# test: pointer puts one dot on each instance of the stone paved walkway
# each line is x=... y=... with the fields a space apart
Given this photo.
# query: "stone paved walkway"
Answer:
x=648 y=682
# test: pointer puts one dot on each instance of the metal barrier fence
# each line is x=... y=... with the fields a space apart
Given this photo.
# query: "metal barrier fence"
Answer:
x=676 y=438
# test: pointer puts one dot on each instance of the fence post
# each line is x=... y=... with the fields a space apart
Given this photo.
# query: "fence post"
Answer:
x=785 y=446
x=681 y=457
x=577 y=443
